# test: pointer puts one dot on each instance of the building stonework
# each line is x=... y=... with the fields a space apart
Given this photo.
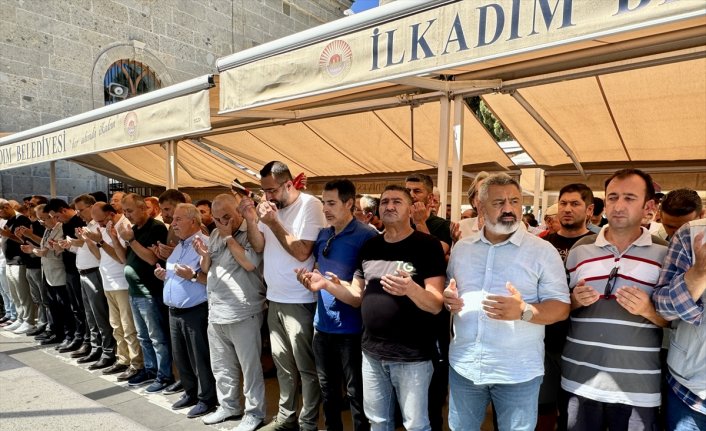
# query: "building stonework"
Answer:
x=54 y=55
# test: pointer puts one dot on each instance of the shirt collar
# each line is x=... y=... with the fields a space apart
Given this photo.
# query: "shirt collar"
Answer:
x=188 y=240
x=515 y=239
x=645 y=238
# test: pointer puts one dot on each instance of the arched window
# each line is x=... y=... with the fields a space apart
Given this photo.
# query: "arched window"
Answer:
x=128 y=78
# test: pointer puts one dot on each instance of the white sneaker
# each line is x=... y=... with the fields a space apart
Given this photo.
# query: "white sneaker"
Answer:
x=220 y=415
x=24 y=327
x=14 y=326
x=249 y=423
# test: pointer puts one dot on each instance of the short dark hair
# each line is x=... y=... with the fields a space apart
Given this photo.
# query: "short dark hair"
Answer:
x=172 y=195
x=628 y=172
x=421 y=178
x=99 y=196
x=85 y=198
x=398 y=188
x=344 y=187
x=580 y=188
x=203 y=202
x=40 y=199
x=277 y=169
x=598 y=205
x=108 y=208
x=56 y=205
x=681 y=202
x=27 y=198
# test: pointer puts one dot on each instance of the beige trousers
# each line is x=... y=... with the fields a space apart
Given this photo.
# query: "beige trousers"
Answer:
x=128 y=350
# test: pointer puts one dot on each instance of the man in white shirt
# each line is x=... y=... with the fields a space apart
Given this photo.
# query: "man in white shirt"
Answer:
x=112 y=270
x=102 y=353
x=289 y=225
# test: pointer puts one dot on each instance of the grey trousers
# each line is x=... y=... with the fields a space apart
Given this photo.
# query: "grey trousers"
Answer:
x=39 y=294
x=20 y=292
x=291 y=334
x=236 y=348
x=97 y=314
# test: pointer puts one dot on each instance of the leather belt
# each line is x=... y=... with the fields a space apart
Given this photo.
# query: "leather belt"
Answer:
x=87 y=271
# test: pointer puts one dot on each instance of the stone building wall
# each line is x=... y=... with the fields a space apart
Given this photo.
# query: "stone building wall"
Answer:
x=54 y=55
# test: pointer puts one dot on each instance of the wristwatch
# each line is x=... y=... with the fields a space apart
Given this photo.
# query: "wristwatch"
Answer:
x=527 y=313
x=194 y=279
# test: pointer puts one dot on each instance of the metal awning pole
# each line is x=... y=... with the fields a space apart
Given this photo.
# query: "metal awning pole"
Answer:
x=442 y=178
x=52 y=179
x=172 y=164
x=457 y=159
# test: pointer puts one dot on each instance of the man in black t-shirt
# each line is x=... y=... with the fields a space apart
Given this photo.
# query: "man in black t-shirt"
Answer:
x=71 y=221
x=575 y=206
x=16 y=269
x=400 y=277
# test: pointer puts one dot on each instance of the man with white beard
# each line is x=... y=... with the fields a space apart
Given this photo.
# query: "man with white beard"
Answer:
x=504 y=286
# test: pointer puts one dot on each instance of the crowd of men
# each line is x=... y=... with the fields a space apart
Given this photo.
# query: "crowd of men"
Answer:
x=585 y=323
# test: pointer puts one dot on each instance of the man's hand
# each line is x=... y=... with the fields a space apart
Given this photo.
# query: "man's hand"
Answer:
x=27 y=248
x=452 y=301
x=397 y=285
x=125 y=233
x=455 y=231
x=55 y=246
x=160 y=272
x=22 y=230
x=635 y=301
x=200 y=247
x=699 y=266
x=6 y=232
x=184 y=271
x=584 y=295
x=314 y=280
x=420 y=213
x=88 y=234
x=164 y=250
x=504 y=307
x=267 y=212
x=225 y=230
x=65 y=244
x=247 y=210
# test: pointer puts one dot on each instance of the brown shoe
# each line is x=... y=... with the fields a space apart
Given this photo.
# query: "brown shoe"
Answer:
x=115 y=369
x=127 y=374
x=84 y=350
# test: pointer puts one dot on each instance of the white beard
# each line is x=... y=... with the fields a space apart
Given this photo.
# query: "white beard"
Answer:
x=502 y=228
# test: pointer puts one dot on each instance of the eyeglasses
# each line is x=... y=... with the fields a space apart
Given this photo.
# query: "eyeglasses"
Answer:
x=327 y=247
x=611 y=282
x=274 y=190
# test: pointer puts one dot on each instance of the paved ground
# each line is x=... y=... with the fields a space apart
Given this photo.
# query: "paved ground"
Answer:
x=41 y=389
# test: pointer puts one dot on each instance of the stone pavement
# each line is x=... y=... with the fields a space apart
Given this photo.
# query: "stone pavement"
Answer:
x=41 y=389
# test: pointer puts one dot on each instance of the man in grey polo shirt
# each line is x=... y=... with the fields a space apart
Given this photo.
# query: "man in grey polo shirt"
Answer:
x=236 y=303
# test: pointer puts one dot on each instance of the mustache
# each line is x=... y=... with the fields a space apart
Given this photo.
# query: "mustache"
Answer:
x=508 y=215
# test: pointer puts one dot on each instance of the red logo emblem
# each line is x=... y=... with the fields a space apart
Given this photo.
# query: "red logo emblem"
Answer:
x=335 y=60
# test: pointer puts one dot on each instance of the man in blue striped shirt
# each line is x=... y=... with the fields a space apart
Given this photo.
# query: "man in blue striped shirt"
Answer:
x=680 y=298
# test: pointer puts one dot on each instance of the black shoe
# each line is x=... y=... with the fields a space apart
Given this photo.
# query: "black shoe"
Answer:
x=36 y=331
x=174 y=388
x=63 y=344
x=4 y=319
x=102 y=363
x=115 y=369
x=200 y=409
x=47 y=341
x=93 y=357
x=184 y=402
x=72 y=346
x=83 y=351
x=43 y=336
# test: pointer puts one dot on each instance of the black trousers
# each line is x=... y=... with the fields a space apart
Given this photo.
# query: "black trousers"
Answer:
x=188 y=332
x=75 y=294
x=62 y=321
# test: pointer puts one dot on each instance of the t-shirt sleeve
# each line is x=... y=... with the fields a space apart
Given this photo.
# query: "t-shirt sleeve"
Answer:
x=159 y=233
x=313 y=221
x=552 y=279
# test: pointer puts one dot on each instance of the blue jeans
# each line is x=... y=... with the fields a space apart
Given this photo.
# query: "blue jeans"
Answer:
x=681 y=417
x=384 y=382
x=10 y=310
x=153 y=340
x=515 y=404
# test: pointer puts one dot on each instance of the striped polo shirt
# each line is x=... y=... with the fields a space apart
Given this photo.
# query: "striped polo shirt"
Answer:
x=611 y=355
